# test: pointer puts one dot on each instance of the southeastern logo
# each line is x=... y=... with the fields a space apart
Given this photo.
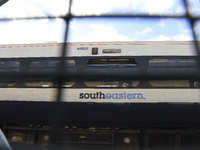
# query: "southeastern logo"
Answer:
x=101 y=95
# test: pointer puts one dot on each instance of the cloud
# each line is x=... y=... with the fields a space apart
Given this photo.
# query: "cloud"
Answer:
x=24 y=8
x=178 y=37
x=88 y=7
x=162 y=24
x=194 y=7
x=144 y=32
x=184 y=34
x=153 y=6
x=182 y=37
x=31 y=31
x=180 y=10
x=31 y=8
x=160 y=38
x=98 y=32
x=159 y=30
x=85 y=7
x=90 y=29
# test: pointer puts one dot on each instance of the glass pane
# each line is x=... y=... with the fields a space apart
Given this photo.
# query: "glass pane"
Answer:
x=8 y=67
x=112 y=62
x=32 y=31
x=173 y=63
x=40 y=82
x=98 y=7
x=42 y=65
x=194 y=7
x=111 y=83
x=33 y=8
x=49 y=67
x=170 y=83
x=48 y=82
x=126 y=29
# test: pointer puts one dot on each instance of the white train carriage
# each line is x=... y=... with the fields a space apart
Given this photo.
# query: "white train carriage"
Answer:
x=117 y=72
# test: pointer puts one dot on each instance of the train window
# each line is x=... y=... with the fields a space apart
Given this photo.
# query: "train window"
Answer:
x=50 y=66
x=170 y=83
x=8 y=67
x=48 y=82
x=111 y=67
x=40 y=82
x=112 y=62
x=111 y=83
x=175 y=68
x=173 y=63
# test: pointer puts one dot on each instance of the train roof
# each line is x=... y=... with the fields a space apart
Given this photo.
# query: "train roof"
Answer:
x=94 y=49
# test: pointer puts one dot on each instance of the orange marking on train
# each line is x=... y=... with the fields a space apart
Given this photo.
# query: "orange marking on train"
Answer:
x=96 y=44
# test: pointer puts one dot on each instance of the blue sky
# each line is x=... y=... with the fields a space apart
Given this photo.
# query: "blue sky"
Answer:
x=130 y=29
x=96 y=29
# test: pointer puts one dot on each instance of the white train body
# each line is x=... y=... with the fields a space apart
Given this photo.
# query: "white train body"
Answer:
x=144 y=48
x=111 y=95
x=157 y=52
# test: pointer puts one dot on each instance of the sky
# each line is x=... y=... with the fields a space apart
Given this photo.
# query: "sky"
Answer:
x=95 y=29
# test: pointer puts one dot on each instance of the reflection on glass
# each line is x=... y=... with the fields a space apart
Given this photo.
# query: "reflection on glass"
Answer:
x=11 y=68
x=112 y=62
x=48 y=82
x=170 y=83
x=173 y=63
x=111 y=83
x=50 y=66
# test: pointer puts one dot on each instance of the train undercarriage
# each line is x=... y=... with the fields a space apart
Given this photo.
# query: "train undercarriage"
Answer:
x=77 y=138
x=113 y=126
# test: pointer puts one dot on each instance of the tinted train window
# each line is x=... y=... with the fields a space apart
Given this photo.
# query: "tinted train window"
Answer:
x=111 y=83
x=175 y=68
x=170 y=83
x=111 y=72
x=49 y=67
x=111 y=67
x=173 y=63
x=48 y=82
x=112 y=62
x=175 y=83
x=8 y=67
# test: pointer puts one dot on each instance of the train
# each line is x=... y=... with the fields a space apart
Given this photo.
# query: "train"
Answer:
x=100 y=70
x=99 y=93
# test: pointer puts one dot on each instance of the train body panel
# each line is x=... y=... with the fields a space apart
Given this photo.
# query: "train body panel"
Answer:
x=116 y=66
x=91 y=95
x=99 y=49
